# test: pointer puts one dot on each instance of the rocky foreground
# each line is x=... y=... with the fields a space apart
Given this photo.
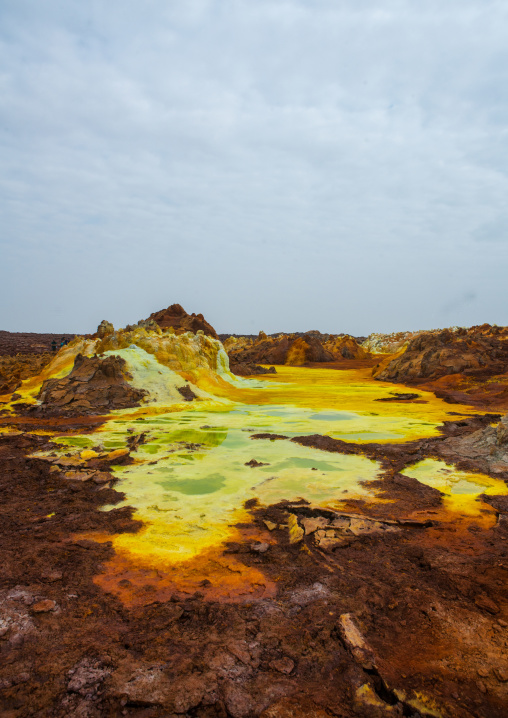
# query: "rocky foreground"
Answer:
x=396 y=607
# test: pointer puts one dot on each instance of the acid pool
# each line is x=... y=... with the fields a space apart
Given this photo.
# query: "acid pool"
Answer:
x=191 y=477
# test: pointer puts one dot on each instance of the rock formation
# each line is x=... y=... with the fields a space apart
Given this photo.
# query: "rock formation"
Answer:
x=345 y=347
x=377 y=343
x=479 y=350
x=487 y=447
x=13 y=369
x=293 y=349
x=244 y=369
x=94 y=385
x=104 y=329
x=175 y=316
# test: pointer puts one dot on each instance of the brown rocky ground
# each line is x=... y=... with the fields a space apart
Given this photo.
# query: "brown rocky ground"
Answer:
x=15 y=368
x=12 y=343
x=383 y=609
x=392 y=607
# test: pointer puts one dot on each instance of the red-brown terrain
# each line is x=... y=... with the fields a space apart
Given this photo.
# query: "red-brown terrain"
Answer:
x=374 y=610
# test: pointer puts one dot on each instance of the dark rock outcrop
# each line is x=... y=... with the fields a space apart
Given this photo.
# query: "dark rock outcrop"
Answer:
x=487 y=447
x=248 y=369
x=293 y=349
x=175 y=316
x=94 y=385
x=479 y=350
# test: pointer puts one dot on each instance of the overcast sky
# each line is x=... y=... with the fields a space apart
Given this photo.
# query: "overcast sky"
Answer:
x=273 y=164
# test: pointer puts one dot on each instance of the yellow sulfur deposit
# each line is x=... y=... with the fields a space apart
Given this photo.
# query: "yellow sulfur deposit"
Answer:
x=460 y=488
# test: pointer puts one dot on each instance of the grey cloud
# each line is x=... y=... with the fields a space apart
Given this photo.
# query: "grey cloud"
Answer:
x=493 y=231
x=289 y=163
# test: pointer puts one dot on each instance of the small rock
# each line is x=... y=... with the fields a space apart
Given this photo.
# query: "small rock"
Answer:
x=21 y=678
x=312 y=524
x=502 y=623
x=355 y=642
x=17 y=640
x=78 y=475
x=240 y=650
x=4 y=631
x=68 y=461
x=117 y=454
x=88 y=454
x=481 y=686
x=238 y=701
x=283 y=665
x=501 y=674
x=483 y=672
x=102 y=477
x=52 y=576
x=296 y=532
x=486 y=603
x=270 y=525
x=44 y=606
x=260 y=547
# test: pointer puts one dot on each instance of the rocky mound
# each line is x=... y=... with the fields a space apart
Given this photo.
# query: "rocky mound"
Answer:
x=377 y=343
x=293 y=349
x=346 y=347
x=479 y=350
x=487 y=447
x=94 y=385
x=175 y=316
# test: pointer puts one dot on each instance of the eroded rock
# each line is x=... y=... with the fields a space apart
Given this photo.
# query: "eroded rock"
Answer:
x=94 y=385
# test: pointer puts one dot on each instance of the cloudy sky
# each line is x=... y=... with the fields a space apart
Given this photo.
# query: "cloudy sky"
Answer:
x=275 y=164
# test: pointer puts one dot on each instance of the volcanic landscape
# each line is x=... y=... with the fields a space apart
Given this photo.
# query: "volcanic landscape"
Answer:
x=297 y=525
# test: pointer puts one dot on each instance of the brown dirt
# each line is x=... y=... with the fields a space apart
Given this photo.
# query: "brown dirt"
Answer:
x=426 y=594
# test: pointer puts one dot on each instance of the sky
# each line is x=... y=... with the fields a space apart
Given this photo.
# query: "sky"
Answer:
x=278 y=165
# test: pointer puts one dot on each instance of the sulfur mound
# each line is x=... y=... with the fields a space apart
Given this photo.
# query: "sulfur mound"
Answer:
x=177 y=318
x=94 y=384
